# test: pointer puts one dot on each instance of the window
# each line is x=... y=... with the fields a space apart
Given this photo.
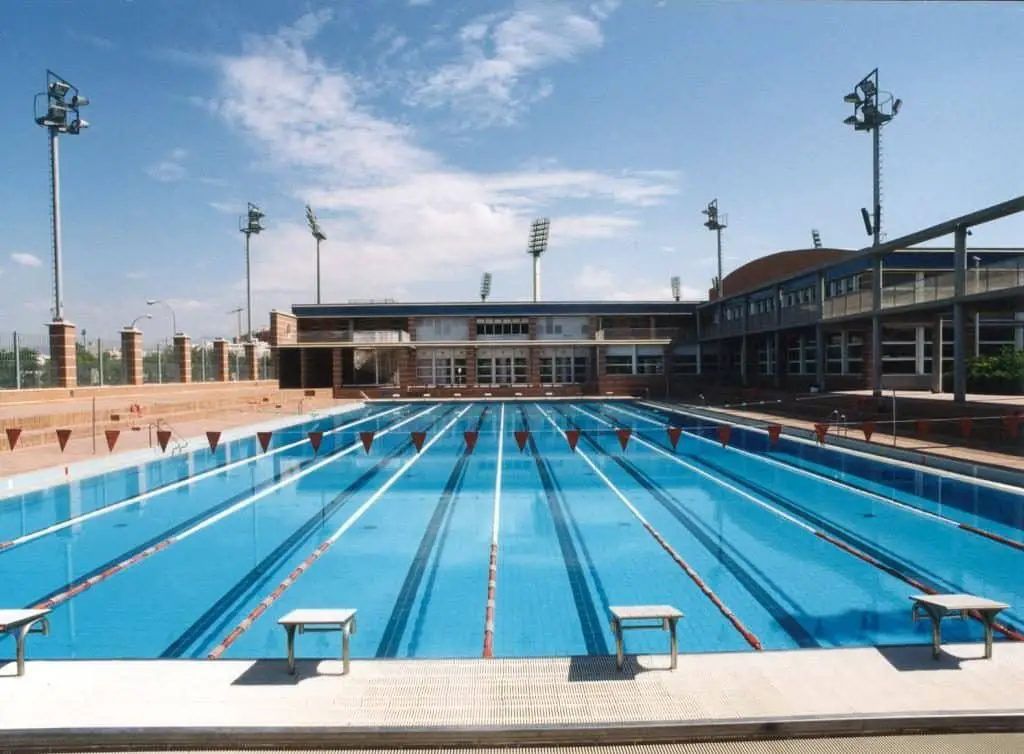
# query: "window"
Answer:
x=684 y=363
x=899 y=351
x=618 y=364
x=520 y=370
x=547 y=370
x=834 y=353
x=425 y=370
x=650 y=364
x=484 y=373
x=766 y=357
x=507 y=328
x=854 y=353
x=794 y=358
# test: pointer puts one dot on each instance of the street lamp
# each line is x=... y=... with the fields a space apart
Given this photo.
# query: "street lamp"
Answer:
x=61 y=116
x=318 y=235
x=134 y=321
x=249 y=224
x=872 y=109
x=174 y=319
x=716 y=223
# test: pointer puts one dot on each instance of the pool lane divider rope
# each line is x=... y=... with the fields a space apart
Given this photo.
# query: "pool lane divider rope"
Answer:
x=171 y=486
x=82 y=585
x=326 y=545
x=1002 y=628
x=844 y=485
x=745 y=632
x=492 y=566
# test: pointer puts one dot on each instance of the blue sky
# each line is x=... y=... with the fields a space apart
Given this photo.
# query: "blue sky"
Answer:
x=427 y=135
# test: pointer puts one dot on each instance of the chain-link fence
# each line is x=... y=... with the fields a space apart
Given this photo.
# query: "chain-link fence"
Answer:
x=24 y=360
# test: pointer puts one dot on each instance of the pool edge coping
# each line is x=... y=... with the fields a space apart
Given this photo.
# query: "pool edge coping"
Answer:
x=127 y=738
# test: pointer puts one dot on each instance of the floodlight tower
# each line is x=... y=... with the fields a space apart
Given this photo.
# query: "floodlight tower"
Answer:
x=717 y=223
x=485 y=286
x=675 y=287
x=536 y=246
x=816 y=238
x=249 y=224
x=872 y=109
x=61 y=116
x=318 y=235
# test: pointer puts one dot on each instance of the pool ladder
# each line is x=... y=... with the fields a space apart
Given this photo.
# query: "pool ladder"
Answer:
x=180 y=444
x=301 y=409
x=839 y=419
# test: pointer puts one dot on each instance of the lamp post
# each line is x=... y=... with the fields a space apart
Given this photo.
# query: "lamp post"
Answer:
x=872 y=109
x=716 y=223
x=135 y=321
x=61 y=116
x=535 y=247
x=485 y=286
x=318 y=235
x=174 y=318
x=249 y=225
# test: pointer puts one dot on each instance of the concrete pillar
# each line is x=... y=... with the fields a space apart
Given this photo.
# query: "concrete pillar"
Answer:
x=876 y=327
x=819 y=356
x=183 y=355
x=743 y=360
x=777 y=346
x=131 y=356
x=252 y=372
x=959 y=318
x=937 y=345
x=63 y=354
x=220 y=360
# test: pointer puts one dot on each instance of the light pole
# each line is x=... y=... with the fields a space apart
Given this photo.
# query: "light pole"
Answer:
x=872 y=109
x=717 y=223
x=174 y=318
x=535 y=247
x=249 y=224
x=134 y=321
x=318 y=235
x=485 y=286
x=61 y=116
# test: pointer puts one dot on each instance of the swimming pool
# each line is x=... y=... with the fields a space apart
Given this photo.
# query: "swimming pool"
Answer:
x=763 y=545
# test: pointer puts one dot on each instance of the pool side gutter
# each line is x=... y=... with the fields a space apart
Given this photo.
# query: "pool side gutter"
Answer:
x=358 y=737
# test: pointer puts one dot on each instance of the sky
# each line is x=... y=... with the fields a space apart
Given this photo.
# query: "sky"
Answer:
x=427 y=135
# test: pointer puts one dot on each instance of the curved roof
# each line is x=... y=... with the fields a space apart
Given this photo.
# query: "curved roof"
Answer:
x=755 y=273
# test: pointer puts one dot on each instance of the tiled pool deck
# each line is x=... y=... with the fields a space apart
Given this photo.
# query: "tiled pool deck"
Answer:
x=561 y=700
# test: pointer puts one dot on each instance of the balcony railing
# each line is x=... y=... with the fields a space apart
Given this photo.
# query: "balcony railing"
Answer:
x=349 y=336
x=843 y=306
x=637 y=333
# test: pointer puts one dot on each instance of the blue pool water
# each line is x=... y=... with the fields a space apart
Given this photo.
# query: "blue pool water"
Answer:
x=169 y=558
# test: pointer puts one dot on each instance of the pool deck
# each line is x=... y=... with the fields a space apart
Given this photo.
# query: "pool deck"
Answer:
x=455 y=702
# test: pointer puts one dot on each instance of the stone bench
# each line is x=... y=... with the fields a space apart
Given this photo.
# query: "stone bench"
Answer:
x=634 y=617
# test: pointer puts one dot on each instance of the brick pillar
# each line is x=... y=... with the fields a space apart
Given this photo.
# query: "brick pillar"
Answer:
x=336 y=373
x=220 y=360
x=131 y=356
x=183 y=355
x=250 y=360
x=63 y=355
x=533 y=362
x=304 y=367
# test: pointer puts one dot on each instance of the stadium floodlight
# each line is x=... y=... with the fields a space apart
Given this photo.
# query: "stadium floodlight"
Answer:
x=174 y=318
x=318 y=236
x=872 y=109
x=675 y=287
x=58 y=115
x=485 y=286
x=249 y=224
x=717 y=223
x=816 y=238
x=537 y=245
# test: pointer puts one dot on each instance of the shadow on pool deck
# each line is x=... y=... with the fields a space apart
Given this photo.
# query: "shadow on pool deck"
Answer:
x=275 y=672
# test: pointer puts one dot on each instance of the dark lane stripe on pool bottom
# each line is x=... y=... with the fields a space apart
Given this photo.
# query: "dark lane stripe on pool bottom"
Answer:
x=394 y=630
x=797 y=632
x=221 y=611
x=590 y=624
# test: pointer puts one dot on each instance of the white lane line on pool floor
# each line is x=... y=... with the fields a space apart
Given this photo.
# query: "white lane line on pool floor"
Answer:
x=801 y=471
x=876 y=457
x=492 y=567
x=304 y=566
x=845 y=547
x=104 y=510
x=92 y=581
x=747 y=634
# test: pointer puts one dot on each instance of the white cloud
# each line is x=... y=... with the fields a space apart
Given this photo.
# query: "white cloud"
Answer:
x=500 y=51
x=169 y=169
x=395 y=214
x=228 y=208
x=419 y=3
x=135 y=275
x=26 y=260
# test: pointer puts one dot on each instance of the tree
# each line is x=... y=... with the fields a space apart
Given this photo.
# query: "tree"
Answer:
x=34 y=369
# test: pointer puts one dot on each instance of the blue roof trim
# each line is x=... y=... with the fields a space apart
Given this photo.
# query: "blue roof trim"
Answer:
x=498 y=309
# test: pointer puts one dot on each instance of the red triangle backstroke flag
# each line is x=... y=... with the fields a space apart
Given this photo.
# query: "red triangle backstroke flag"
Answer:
x=12 y=437
x=163 y=436
x=623 y=435
x=112 y=435
x=674 y=434
x=417 y=439
x=315 y=438
x=521 y=436
x=264 y=438
x=573 y=436
x=470 y=440
x=213 y=438
x=366 y=438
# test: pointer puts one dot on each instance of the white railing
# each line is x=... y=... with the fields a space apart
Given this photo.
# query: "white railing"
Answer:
x=348 y=336
x=636 y=333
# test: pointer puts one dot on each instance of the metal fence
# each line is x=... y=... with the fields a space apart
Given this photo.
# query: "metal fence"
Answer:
x=25 y=361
